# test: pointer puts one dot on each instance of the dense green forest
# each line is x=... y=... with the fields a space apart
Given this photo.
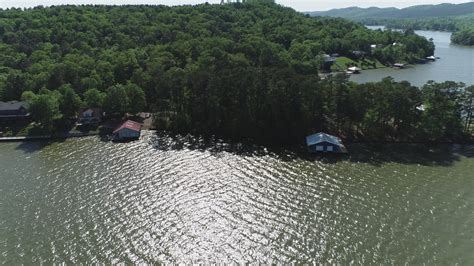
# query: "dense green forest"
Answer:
x=235 y=70
x=464 y=36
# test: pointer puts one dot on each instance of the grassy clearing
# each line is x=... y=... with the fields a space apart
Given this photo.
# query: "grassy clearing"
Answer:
x=32 y=129
x=342 y=63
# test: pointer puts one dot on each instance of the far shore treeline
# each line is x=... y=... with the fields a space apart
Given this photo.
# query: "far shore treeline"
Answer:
x=456 y=18
x=462 y=27
x=236 y=70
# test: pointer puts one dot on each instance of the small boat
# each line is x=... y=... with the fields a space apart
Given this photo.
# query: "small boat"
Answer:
x=399 y=65
x=432 y=58
x=354 y=70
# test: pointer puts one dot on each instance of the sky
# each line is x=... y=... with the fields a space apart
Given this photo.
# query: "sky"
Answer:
x=300 y=5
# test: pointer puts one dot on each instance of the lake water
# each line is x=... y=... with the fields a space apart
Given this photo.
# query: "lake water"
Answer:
x=175 y=199
x=456 y=63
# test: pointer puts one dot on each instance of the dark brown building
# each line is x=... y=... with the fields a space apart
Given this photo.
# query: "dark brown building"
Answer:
x=13 y=111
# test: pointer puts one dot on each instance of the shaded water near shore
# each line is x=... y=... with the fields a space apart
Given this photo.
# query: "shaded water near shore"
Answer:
x=183 y=199
x=456 y=63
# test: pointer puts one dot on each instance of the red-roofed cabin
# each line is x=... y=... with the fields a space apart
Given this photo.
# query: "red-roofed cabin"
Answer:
x=129 y=130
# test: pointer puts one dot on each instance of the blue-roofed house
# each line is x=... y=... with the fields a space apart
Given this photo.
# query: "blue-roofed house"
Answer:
x=322 y=142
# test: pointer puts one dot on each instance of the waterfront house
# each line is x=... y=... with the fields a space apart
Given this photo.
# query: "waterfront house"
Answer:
x=375 y=46
x=89 y=116
x=128 y=130
x=421 y=108
x=322 y=142
x=328 y=61
x=359 y=54
x=13 y=111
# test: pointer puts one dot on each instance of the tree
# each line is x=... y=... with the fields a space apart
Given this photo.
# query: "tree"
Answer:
x=468 y=107
x=70 y=101
x=136 y=98
x=442 y=116
x=44 y=109
x=28 y=96
x=94 y=98
x=14 y=86
x=116 y=101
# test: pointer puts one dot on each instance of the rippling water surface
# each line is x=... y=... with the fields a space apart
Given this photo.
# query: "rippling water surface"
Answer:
x=165 y=199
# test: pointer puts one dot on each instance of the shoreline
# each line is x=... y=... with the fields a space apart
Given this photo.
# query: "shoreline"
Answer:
x=81 y=135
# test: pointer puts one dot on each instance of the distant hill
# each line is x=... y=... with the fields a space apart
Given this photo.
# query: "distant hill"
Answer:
x=413 y=12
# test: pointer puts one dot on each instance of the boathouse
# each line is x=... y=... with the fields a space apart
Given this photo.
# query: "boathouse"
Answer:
x=129 y=130
x=322 y=142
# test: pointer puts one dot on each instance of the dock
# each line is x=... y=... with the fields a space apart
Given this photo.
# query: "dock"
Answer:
x=399 y=65
x=46 y=137
x=11 y=139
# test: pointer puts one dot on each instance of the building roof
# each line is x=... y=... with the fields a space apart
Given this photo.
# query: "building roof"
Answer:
x=96 y=112
x=129 y=124
x=329 y=59
x=323 y=137
x=359 y=53
x=12 y=105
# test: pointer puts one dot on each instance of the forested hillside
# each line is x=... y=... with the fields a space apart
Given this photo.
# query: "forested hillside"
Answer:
x=237 y=70
x=96 y=47
x=413 y=12
x=464 y=36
